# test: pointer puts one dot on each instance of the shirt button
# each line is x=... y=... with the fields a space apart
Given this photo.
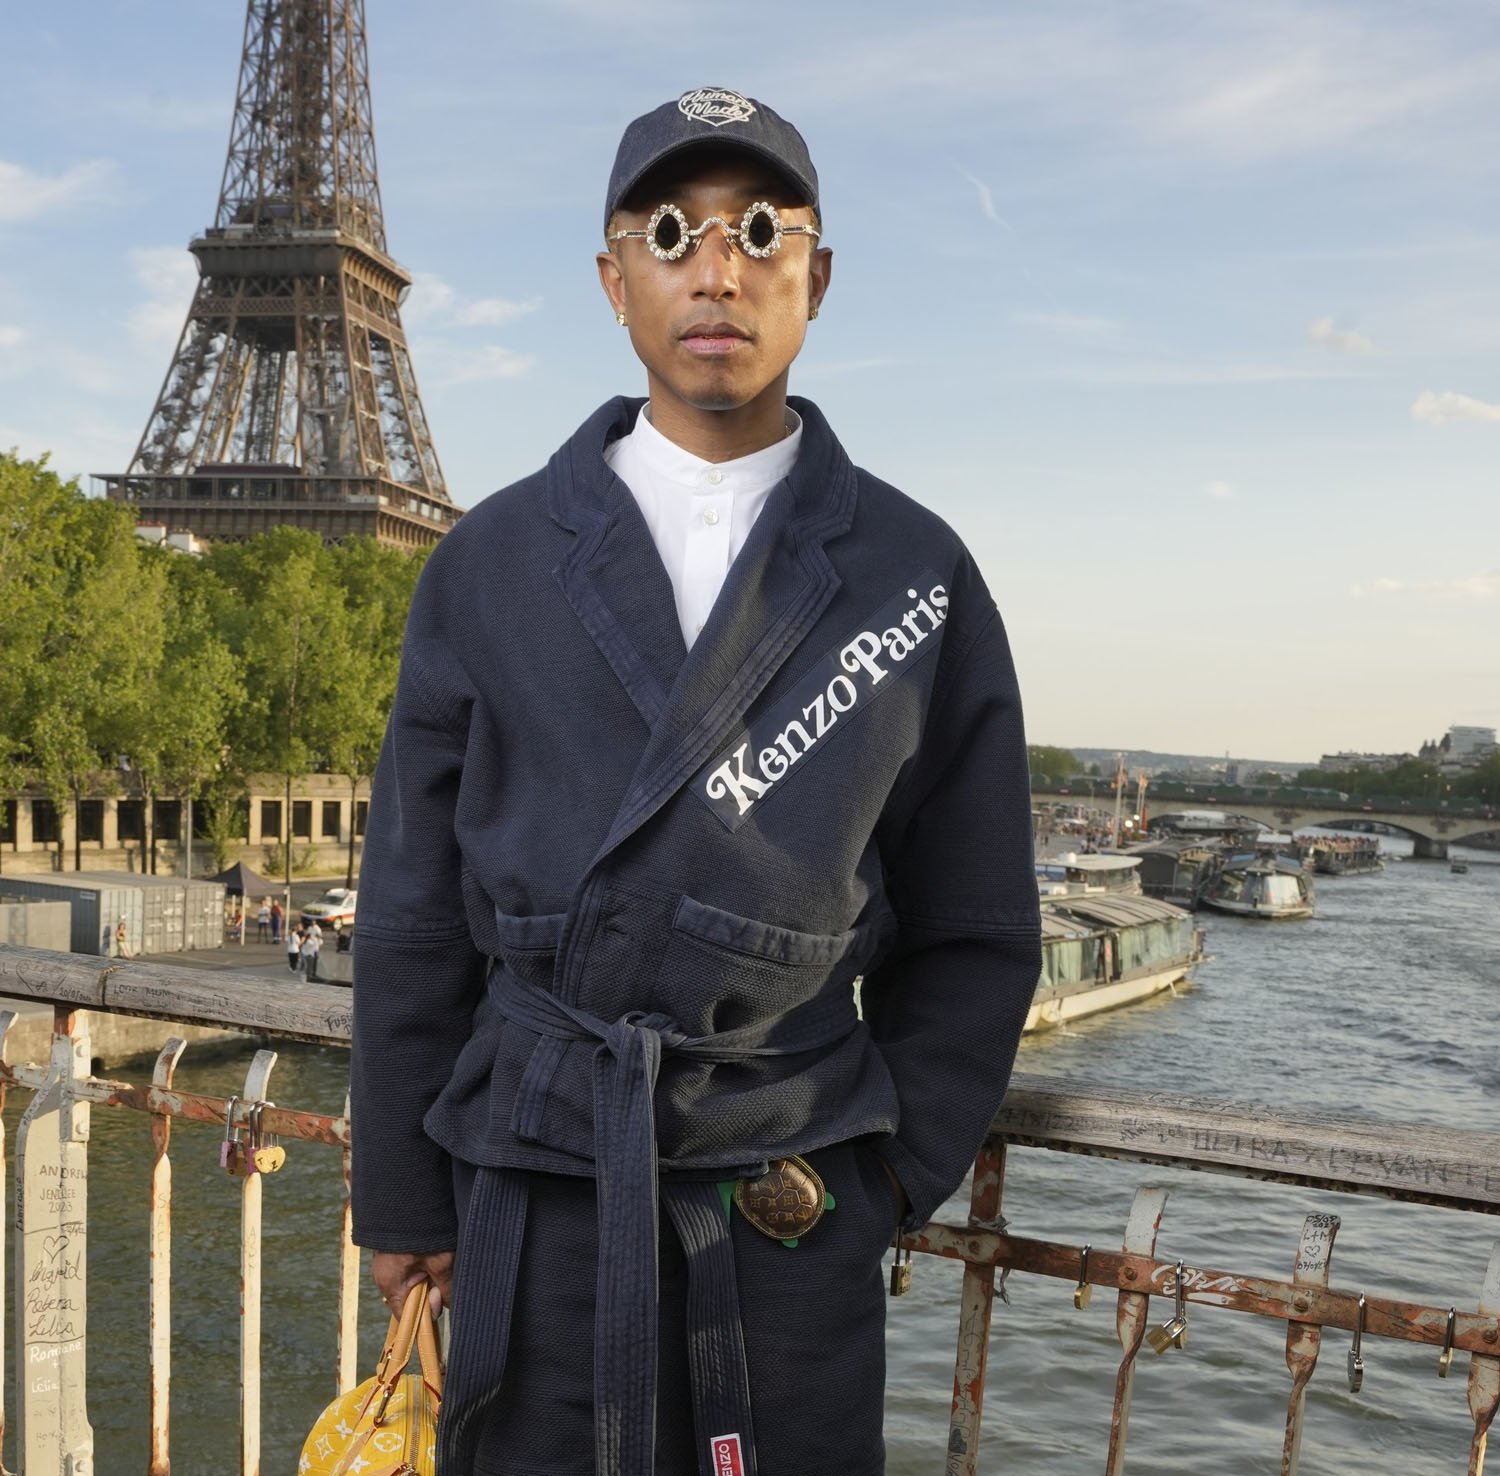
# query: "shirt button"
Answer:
x=711 y=516
x=715 y=477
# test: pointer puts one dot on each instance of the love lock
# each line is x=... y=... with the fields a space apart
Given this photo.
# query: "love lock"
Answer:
x=265 y=1157
x=1173 y=1332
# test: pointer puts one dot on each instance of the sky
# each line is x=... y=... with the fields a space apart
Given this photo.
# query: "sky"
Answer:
x=1184 y=314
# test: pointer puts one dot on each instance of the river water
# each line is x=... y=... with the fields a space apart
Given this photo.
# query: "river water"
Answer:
x=1383 y=1006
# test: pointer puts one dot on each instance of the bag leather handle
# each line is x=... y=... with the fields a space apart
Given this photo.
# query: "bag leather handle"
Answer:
x=415 y=1325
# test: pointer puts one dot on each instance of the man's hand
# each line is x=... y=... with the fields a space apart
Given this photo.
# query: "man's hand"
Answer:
x=396 y=1272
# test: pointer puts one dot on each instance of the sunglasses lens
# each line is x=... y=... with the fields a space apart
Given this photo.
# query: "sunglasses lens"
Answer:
x=667 y=233
x=760 y=229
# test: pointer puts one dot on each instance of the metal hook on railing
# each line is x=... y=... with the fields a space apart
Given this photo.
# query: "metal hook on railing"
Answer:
x=1083 y=1291
x=1445 y=1358
x=1356 y=1358
x=1173 y=1332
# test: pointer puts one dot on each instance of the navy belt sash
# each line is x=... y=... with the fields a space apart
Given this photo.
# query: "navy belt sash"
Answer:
x=626 y=1066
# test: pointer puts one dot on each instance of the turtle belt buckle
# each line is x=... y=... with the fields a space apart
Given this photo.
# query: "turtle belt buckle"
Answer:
x=786 y=1201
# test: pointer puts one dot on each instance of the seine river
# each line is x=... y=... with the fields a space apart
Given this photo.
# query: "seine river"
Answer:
x=1385 y=1005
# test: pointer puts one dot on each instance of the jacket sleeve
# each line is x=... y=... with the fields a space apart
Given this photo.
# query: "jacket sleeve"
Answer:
x=946 y=1005
x=417 y=973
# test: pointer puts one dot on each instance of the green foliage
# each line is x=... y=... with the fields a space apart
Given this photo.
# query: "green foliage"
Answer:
x=1412 y=779
x=276 y=655
x=1050 y=765
x=83 y=623
x=275 y=860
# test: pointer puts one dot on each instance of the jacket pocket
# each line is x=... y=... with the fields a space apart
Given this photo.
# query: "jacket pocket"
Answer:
x=759 y=939
x=528 y=945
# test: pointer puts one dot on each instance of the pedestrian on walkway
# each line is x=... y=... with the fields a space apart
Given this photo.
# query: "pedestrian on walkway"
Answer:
x=293 y=947
x=277 y=918
x=121 y=951
x=263 y=922
x=312 y=944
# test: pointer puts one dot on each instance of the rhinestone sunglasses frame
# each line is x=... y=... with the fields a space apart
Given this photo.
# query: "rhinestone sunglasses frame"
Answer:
x=738 y=236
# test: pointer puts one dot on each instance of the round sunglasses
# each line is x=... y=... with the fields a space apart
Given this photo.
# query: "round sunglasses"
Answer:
x=759 y=233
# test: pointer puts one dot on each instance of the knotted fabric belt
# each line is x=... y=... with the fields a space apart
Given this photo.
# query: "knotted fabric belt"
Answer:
x=626 y=1066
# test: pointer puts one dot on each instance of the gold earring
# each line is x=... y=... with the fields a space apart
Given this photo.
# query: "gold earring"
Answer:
x=812 y=312
x=620 y=319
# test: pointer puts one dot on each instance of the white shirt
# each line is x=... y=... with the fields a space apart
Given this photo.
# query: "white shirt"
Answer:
x=699 y=512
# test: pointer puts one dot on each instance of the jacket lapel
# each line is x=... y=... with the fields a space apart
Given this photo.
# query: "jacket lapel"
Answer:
x=613 y=577
x=775 y=591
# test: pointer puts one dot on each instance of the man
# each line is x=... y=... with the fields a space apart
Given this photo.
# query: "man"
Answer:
x=696 y=728
x=312 y=946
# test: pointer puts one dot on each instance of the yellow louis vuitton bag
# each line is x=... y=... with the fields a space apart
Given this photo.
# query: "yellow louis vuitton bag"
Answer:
x=388 y=1425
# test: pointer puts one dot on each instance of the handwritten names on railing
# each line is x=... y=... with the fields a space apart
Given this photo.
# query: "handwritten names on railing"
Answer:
x=1432 y=1165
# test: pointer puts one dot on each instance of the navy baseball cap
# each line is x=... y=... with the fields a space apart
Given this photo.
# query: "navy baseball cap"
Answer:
x=709 y=115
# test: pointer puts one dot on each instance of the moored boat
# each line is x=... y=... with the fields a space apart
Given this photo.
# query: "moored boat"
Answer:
x=1090 y=872
x=1344 y=855
x=1253 y=884
x=1104 y=950
x=1177 y=870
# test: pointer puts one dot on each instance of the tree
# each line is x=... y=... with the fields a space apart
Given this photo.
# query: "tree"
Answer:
x=286 y=618
x=190 y=695
x=1050 y=765
x=377 y=583
x=81 y=623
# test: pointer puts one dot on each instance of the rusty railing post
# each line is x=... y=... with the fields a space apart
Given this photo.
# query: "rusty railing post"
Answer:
x=348 y=1337
x=974 y=1318
x=1131 y=1317
x=54 y=1433
x=257 y=1078
x=1305 y=1339
x=1484 y=1371
x=160 y=1460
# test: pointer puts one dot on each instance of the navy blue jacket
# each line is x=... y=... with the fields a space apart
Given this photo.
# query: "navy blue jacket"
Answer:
x=831 y=785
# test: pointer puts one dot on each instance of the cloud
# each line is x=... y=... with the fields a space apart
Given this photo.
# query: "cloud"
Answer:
x=1439 y=407
x=433 y=303
x=986 y=200
x=1167 y=372
x=169 y=276
x=1070 y=325
x=1485 y=586
x=1340 y=340
x=472 y=365
x=163 y=112
x=10 y=336
x=1221 y=490
x=1242 y=83
x=493 y=312
x=27 y=195
x=75 y=448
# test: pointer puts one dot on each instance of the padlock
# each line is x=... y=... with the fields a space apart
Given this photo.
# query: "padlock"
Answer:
x=1356 y=1359
x=263 y=1157
x=1173 y=1332
x=231 y=1150
x=1083 y=1292
x=901 y=1274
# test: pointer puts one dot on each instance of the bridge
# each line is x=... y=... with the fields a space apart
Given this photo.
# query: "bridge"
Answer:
x=1433 y=825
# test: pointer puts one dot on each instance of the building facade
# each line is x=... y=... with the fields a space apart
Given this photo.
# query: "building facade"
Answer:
x=115 y=832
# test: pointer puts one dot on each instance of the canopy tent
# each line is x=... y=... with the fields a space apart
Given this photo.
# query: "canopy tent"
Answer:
x=240 y=880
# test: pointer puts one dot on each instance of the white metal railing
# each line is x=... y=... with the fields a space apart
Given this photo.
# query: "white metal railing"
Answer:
x=1453 y=1169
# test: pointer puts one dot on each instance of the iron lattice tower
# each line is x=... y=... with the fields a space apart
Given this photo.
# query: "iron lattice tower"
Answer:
x=291 y=397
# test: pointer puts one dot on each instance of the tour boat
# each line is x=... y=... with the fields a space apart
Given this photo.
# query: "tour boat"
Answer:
x=1252 y=884
x=1101 y=950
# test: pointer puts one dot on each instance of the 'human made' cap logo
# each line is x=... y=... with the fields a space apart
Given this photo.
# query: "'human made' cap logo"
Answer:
x=715 y=106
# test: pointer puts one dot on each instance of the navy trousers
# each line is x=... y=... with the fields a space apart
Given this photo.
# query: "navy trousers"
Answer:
x=813 y=1317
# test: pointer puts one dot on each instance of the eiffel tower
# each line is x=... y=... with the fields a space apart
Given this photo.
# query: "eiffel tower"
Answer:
x=291 y=397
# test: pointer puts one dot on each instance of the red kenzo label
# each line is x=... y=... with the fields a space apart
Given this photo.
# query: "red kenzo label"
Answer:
x=724 y=1456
